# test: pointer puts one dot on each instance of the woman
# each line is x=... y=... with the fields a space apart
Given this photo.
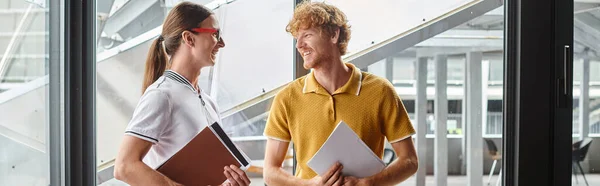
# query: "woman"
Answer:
x=173 y=109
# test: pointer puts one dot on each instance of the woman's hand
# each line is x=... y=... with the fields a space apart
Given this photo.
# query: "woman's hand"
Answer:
x=235 y=176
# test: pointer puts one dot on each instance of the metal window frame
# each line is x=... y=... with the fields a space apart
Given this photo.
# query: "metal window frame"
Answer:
x=538 y=92
x=55 y=94
x=78 y=36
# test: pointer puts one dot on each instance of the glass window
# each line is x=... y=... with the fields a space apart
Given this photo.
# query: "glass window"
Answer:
x=258 y=55
x=24 y=63
x=595 y=77
x=456 y=70
x=586 y=93
x=258 y=59
x=405 y=70
x=496 y=72
x=473 y=53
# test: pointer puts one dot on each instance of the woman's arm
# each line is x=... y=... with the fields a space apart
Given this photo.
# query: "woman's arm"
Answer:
x=129 y=167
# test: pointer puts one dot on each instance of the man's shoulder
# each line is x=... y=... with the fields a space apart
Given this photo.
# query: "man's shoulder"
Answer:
x=371 y=81
x=298 y=83
x=292 y=88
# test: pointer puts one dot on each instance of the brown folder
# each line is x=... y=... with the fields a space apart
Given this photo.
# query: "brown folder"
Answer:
x=201 y=161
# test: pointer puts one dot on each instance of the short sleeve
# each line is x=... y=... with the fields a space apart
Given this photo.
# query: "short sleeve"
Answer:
x=396 y=123
x=278 y=124
x=151 y=116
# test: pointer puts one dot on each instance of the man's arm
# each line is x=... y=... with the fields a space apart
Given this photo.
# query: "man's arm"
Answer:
x=274 y=156
x=274 y=175
x=399 y=170
x=129 y=167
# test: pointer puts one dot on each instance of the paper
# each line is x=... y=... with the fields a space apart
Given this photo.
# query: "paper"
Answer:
x=344 y=146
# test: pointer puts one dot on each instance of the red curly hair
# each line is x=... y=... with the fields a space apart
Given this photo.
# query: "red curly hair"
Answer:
x=327 y=18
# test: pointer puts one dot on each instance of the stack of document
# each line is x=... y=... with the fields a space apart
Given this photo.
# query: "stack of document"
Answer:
x=344 y=146
x=201 y=161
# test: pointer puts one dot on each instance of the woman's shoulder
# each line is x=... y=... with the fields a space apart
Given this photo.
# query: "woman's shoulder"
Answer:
x=160 y=89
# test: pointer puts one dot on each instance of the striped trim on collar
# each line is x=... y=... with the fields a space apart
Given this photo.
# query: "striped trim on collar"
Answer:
x=179 y=78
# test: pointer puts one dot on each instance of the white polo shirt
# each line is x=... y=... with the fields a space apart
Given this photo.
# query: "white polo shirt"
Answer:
x=169 y=114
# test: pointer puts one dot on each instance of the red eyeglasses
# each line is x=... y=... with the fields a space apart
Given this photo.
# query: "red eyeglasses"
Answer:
x=209 y=30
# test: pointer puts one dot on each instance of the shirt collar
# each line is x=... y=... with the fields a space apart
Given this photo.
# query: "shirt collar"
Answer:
x=353 y=86
x=179 y=78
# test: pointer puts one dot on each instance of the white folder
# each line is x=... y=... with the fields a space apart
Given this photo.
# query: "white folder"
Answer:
x=344 y=146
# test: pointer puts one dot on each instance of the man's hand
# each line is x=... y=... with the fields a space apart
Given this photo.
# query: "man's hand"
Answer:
x=332 y=177
x=235 y=176
x=352 y=181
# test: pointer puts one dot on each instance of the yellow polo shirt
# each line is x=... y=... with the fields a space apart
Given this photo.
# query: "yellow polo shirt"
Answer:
x=305 y=113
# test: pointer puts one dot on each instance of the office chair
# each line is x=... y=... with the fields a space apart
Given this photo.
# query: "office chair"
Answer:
x=495 y=155
x=580 y=149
